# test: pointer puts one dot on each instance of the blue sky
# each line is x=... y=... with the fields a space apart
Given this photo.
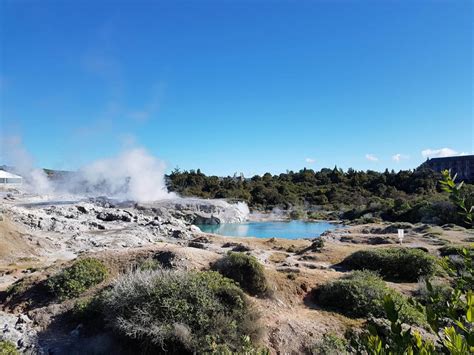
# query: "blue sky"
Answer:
x=238 y=86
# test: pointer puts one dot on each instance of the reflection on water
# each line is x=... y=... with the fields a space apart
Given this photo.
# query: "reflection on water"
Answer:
x=277 y=229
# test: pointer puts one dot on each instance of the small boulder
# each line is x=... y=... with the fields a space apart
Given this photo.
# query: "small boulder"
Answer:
x=109 y=216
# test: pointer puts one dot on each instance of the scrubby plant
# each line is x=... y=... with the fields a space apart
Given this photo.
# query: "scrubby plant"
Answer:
x=298 y=214
x=400 y=264
x=452 y=323
x=361 y=294
x=330 y=344
x=450 y=249
x=434 y=293
x=150 y=264
x=77 y=278
x=464 y=205
x=8 y=348
x=181 y=312
x=17 y=288
x=246 y=271
x=317 y=245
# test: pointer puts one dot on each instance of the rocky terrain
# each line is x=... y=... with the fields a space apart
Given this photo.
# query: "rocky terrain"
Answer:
x=67 y=229
x=41 y=237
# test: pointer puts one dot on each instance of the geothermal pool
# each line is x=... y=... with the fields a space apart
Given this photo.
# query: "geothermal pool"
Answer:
x=269 y=229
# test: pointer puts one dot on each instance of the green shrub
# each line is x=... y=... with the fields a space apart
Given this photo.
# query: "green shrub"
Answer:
x=246 y=271
x=436 y=295
x=450 y=249
x=361 y=294
x=298 y=214
x=17 y=288
x=76 y=279
x=317 y=245
x=402 y=264
x=180 y=312
x=8 y=348
x=330 y=344
x=150 y=264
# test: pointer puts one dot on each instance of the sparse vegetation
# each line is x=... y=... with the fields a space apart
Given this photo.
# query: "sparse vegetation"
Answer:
x=330 y=344
x=436 y=294
x=450 y=318
x=449 y=312
x=298 y=213
x=450 y=249
x=8 y=348
x=150 y=264
x=400 y=264
x=317 y=245
x=361 y=294
x=246 y=271
x=77 y=278
x=181 y=312
x=17 y=288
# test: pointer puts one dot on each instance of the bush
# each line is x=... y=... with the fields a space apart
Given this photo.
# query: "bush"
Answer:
x=150 y=264
x=246 y=270
x=450 y=249
x=437 y=296
x=401 y=264
x=317 y=245
x=361 y=294
x=77 y=278
x=298 y=214
x=330 y=344
x=8 y=348
x=180 y=312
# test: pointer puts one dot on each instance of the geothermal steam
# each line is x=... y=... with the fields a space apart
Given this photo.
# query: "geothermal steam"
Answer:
x=133 y=175
x=17 y=155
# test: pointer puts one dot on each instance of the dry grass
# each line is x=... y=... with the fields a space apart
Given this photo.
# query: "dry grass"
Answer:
x=277 y=257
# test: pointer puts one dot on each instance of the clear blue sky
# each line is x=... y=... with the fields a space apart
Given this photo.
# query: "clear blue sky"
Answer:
x=246 y=86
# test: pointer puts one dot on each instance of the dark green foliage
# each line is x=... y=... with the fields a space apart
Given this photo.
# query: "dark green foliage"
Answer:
x=400 y=264
x=76 y=279
x=452 y=249
x=410 y=196
x=246 y=271
x=436 y=295
x=449 y=313
x=180 y=312
x=361 y=294
x=298 y=214
x=317 y=245
x=464 y=203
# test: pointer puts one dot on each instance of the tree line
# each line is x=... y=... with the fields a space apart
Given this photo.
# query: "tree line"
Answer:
x=406 y=195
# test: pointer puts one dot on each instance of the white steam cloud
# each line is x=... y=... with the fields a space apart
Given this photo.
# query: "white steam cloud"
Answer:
x=35 y=180
x=132 y=175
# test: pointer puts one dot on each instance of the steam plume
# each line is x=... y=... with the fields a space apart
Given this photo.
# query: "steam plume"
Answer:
x=133 y=175
x=35 y=180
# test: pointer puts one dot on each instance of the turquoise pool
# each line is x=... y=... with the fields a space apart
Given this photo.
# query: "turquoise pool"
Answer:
x=269 y=229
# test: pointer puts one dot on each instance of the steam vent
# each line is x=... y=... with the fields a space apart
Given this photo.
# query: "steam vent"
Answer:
x=463 y=166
